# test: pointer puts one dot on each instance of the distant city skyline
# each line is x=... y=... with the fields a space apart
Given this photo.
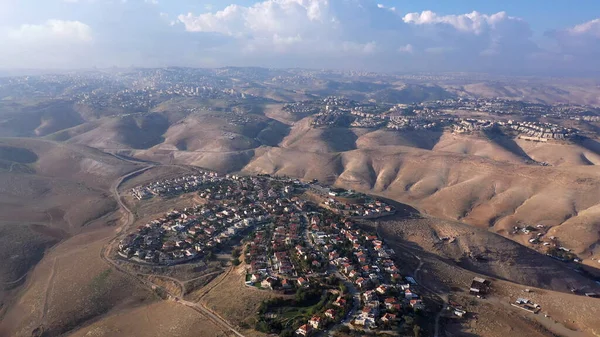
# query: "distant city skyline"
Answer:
x=509 y=37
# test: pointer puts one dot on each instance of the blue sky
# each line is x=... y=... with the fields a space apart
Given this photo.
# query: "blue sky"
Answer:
x=532 y=36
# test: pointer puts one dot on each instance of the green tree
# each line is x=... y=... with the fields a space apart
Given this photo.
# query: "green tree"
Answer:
x=263 y=326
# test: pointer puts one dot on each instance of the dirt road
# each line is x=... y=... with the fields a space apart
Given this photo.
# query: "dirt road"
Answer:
x=105 y=255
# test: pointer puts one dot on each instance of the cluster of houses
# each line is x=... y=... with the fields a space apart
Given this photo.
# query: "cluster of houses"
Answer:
x=301 y=108
x=181 y=236
x=435 y=115
x=537 y=130
x=233 y=205
x=272 y=252
x=527 y=305
x=365 y=263
x=300 y=248
x=297 y=245
x=369 y=208
x=179 y=185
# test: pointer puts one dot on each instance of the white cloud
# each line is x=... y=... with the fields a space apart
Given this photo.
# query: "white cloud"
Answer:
x=581 y=38
x=281 y=33
x=334 y=29
x=73 y=31
x=473 y=22
x=576 y=47
x=381 y=6
x=281 y=17
x=591 y=28
x=52 y=44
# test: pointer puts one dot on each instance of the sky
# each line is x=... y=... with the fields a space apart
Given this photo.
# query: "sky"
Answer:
x=553 y=37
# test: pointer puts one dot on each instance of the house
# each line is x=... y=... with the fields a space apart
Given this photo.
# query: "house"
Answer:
x=388 y=317
x=382 y=289
x=362 y=282
x=340 y=302
x=365 y=320
x=416 y=304
x=390 y=302
x=479 y=286
x=286 y=284
x=330 y=313
x=333 y=255
x=459 y=312
x=409 y=295
x=269 y=282
x=304 y=330
x=255 y=277
x=405 y=286
x=369 y=296
x=302 y=282
x=315 y=321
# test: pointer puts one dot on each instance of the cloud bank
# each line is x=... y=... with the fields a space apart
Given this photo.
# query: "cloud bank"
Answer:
x=297 y=33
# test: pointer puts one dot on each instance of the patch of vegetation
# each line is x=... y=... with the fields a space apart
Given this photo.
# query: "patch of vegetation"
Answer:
x=22 y=248
x=100 y=279
x=283 y=316
x=561 y=254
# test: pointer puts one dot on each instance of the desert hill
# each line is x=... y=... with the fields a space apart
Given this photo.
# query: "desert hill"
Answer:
x=37 y=118
x=476 y=190
x=486 y=179
x=129 y=131
x=581 y=92
x=423 y=139
x=69 y=287
x=487 y=253
x=305 y=138
x=560 y=154
x=411 y=93
x=49 y=192
x=482 y=147
x=446 y=269
x=219 y=133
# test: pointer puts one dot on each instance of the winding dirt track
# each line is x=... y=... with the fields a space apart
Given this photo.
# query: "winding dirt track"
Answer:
x=105 y=255
x=48 y=292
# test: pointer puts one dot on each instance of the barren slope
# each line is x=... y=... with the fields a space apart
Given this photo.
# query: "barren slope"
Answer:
x=487 y=253
x=558 y=154
x=476 y=190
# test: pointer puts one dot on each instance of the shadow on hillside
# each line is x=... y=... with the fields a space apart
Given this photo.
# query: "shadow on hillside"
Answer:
x=588 y=144
x=430 y=139
x=499 y=138
x=525 y=266
x=339 y=139
x=273 y=133
x=142 y=132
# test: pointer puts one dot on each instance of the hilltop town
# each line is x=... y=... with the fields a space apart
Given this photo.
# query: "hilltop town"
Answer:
x=444 y=114
x=292 y=237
